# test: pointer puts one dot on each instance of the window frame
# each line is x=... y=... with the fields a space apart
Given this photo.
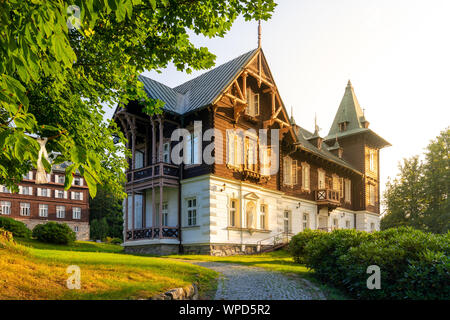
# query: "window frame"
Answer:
x=76 y=213
x=3 y=204
x=191 y=211
x=25 y=207
x=43 y=210
x=58 y=212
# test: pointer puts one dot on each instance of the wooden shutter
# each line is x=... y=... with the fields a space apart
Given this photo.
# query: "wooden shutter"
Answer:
x=294 y=172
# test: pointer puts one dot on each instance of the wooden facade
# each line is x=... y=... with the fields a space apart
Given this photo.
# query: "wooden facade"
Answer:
x=249 y=101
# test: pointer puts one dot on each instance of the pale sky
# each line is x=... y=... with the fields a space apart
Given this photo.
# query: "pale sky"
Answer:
x=396 y=53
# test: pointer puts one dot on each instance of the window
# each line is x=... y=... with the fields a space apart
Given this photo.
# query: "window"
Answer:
x=266 y=161
x=289 y=171
x=252 y=108
x=335 y=223
x=41 y=192
x=286 y=221
x=263 y=217
x=321 y=176
x=250 y=154
x=371 y=194
x=4 y=189
x=59 y=179
x=372 y=160
x=336 y=186
x=233 y=213
x=75 y=229
x=372 y=226
x=234 y=149
x=76 y=213
x=26 y=190
x=305 y=176
x=192 y=211
x=60 y=194
x=347 y=224
x=25 y=209
x=165 y=215
x=77 y=181
x=138 y=159
x=5 y=207
x=166 y=152
x=43 y=210
x=60 y=212
x=341 y=188
x=193 y=149
x=77 y=195
x=342 y=126
x=305 y=221
x=28 y=176
x=348 y=191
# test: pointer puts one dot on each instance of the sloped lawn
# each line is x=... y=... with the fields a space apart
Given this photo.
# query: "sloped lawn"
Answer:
x=39 y=272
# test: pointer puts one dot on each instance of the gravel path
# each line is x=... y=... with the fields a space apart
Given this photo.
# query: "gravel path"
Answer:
x=239 y=282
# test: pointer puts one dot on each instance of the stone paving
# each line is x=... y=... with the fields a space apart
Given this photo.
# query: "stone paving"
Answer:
x=238 y=282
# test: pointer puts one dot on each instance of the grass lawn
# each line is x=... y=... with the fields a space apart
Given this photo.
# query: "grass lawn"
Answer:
x=84 y=246
x=38 y=271
x=279 y=260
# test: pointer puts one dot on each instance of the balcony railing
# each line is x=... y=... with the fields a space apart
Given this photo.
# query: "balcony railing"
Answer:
x=327 y=196
x=154 y=171
x=152 y=233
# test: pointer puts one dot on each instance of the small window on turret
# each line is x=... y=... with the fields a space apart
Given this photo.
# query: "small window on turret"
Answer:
x=342 y=126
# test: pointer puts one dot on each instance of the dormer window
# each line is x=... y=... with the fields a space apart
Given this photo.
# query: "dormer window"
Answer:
x=252 y=103
x=342 y=126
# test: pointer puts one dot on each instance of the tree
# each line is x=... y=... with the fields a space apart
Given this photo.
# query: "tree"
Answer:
x=54 y=79
x=105 y=209
x=418 y=196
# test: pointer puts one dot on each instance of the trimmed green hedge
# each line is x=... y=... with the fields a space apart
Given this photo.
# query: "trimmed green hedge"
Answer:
x=56 y=233
x=18 y=229
x=413 y=264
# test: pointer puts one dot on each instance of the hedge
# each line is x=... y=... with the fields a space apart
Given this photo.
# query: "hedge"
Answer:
x=52 y=232
x=413 y=264
x=17 y=228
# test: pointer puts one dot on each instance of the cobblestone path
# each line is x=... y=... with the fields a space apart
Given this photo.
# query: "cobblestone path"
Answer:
x=238 y=282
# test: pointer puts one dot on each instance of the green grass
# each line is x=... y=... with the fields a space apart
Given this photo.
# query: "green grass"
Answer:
x=83 y=246
x=38 y=271
x=279 y=260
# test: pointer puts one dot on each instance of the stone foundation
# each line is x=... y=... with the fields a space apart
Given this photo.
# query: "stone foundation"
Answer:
x=83 y=227
x=221 y=249
x=153 y=249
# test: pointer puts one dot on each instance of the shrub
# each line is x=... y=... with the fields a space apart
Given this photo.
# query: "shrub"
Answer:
x=52 y=232
x=413 y=264
x=299 y=241
x=18 y=229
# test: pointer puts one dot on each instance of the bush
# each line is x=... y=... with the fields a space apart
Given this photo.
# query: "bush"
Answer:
x=413 y=264
x=52 y=232
x=18 y=229
x=299 y=241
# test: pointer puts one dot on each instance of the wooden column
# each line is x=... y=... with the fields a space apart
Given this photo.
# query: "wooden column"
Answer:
x=153 y=141
x=132 y=216
x=160 y=152
x=244 y=85
x=125 y=229
x=153 y=206
x=146 y=148
x=160 y=207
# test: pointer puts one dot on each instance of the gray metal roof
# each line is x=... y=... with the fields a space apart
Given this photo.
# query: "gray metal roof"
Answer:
x=302 y=138
x=200 y=91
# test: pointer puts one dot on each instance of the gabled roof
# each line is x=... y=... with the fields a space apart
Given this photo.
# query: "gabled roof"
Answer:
x=200 y=91
x=349 y=111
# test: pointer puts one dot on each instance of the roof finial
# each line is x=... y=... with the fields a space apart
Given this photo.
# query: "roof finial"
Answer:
x=259 y=33
x=316 y=127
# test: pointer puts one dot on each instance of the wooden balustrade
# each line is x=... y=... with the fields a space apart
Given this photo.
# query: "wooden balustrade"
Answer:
x=154 y=171
x=327 y=196
x=152 y=233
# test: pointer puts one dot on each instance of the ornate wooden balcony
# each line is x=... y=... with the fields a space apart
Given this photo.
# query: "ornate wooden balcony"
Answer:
x=152 y=233
x=327 y=197
x=158 y=170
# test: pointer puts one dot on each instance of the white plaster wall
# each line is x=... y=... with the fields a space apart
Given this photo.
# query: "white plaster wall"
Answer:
x=364 y=219
x=198 y=188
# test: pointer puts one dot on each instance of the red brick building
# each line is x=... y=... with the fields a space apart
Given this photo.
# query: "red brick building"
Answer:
x=39 y=203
